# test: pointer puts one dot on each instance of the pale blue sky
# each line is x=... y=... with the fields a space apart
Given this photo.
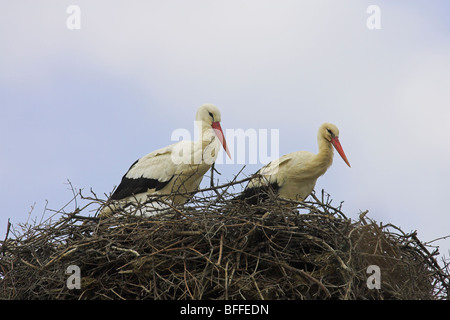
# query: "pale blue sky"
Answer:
x=84 y=104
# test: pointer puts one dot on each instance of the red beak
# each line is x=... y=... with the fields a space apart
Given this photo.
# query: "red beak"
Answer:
x=338 y=147
x=218 y=130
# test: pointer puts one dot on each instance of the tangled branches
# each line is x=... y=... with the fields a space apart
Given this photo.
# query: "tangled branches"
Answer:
x=217 y=248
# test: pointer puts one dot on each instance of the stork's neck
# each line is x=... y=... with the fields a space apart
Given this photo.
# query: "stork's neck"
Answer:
x=324 y=158
x=210 y=144
x=207 y=134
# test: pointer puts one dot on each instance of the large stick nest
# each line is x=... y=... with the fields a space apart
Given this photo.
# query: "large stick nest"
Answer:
x=217 y=248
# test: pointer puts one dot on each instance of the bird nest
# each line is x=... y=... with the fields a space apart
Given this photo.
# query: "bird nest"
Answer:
x=217 y=248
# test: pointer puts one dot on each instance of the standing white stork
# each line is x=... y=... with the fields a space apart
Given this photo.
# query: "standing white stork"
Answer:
x=172 y=170
x=294 y=175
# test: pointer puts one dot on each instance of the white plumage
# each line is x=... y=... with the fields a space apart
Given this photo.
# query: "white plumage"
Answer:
x=173 y=170
x=294 y=175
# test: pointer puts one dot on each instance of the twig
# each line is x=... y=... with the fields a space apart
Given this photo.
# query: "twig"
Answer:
x=309 y=277
x=220 y=249
x=8 y=227
x=126 y=250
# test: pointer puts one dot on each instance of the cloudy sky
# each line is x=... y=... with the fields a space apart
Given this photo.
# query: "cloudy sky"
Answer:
x=83 y=104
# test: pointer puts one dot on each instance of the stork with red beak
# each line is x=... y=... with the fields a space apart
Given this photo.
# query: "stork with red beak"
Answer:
x=294 y=175
x=175 y=171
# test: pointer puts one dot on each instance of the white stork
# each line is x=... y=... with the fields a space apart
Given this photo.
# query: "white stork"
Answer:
x=294 y=175
x=175 y=169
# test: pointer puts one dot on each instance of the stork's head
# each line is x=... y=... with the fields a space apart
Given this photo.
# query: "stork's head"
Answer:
x=208 y=113
x=330 y=132
x=209 y=117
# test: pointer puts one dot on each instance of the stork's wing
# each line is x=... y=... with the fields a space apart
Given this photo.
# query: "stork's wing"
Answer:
x=267 y=180
x=271 y=173
x=153 y=171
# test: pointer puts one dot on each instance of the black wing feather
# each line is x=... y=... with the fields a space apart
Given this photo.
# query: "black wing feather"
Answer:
x=131 y=186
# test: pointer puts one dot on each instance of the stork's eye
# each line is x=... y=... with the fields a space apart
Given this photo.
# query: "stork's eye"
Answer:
x=330 y=132
x=211 y=115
